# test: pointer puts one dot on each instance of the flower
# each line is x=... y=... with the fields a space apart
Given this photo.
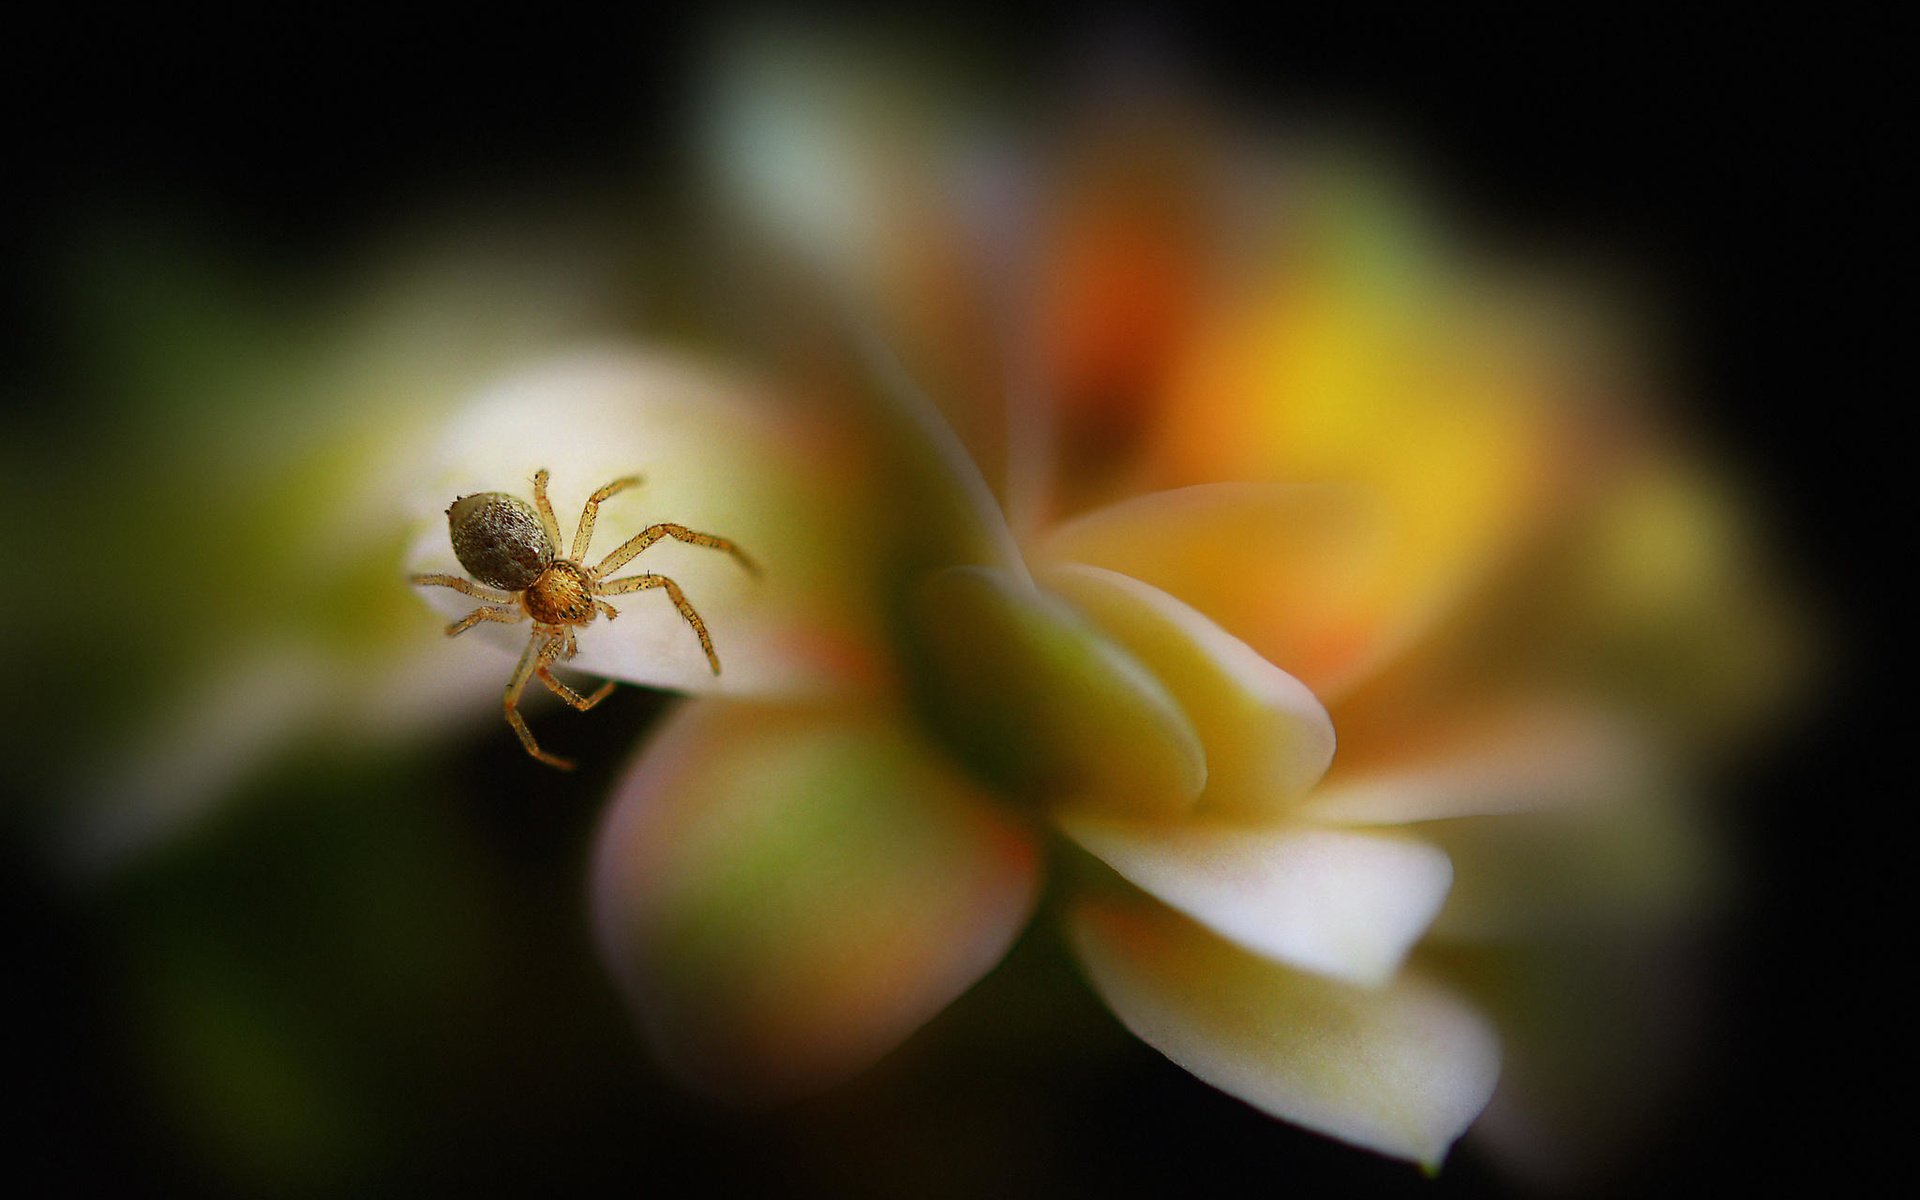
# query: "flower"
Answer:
x=269 y=432
x=1159 y=462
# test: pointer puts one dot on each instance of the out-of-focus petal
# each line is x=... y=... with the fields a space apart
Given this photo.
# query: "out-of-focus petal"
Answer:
x=716 y=456
x=1037 y=699
x=1401 y=1070
x=1338 y=903
x=1659 y=600
x=1267 y=739
x=1302 y=574
x=847 y=159
x=786 y=894
x=1554 y=818
x=1358 y=351
x=1648 y=602
x=942 y=507
x=1634 y=858
x=1493 y=759
x=213 y=739
x=1129 y=247
x=285 y=426
x=1361 y=359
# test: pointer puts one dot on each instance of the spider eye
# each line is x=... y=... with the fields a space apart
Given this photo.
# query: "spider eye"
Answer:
x=499 y=540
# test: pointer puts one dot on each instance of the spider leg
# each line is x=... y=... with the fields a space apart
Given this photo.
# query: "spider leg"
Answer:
x=544 y=673
x=680 y=533
x=583 y=534
x=466 y=586
x=635 y=583
x=545 y=506
x=540 y=648
x=611 y=612
x=506 y=616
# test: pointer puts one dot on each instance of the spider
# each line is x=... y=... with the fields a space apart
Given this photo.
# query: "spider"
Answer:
x=514 y=549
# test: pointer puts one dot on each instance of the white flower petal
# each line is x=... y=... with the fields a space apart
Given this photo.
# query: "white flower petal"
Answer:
x=1267 y=739
x=1343 y=904
x=1402 y=1070
x=716 y=457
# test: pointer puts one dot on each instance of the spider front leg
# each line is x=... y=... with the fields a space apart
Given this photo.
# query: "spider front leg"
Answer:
x=583 y=533
x=679 y=533
x=540 y=650
x=545 y=507
x=506 y=616
x=635 y=583
x=466 y=586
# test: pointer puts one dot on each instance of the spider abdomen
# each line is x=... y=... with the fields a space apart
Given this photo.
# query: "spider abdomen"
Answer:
x=499 y=540
x=562 y=595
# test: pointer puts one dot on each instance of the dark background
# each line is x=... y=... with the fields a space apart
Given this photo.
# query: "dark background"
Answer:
x=1745 y=166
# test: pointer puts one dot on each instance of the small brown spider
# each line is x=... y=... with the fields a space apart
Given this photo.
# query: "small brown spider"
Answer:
x=512 y=546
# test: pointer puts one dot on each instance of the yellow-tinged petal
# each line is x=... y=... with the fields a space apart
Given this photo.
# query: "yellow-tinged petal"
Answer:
x=1402 y=1070
x=1300 y=573
x=1038 y=700
x=1647 y=601
x=1661 y=600
x=1344 y=904
x=715 y=455
x=787 y=894
x=1267 y=739
x=1360 y=352
x=1514 y=757
x=1431 y=394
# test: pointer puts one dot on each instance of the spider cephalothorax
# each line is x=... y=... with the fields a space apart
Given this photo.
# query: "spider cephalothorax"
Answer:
x=513 y=548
